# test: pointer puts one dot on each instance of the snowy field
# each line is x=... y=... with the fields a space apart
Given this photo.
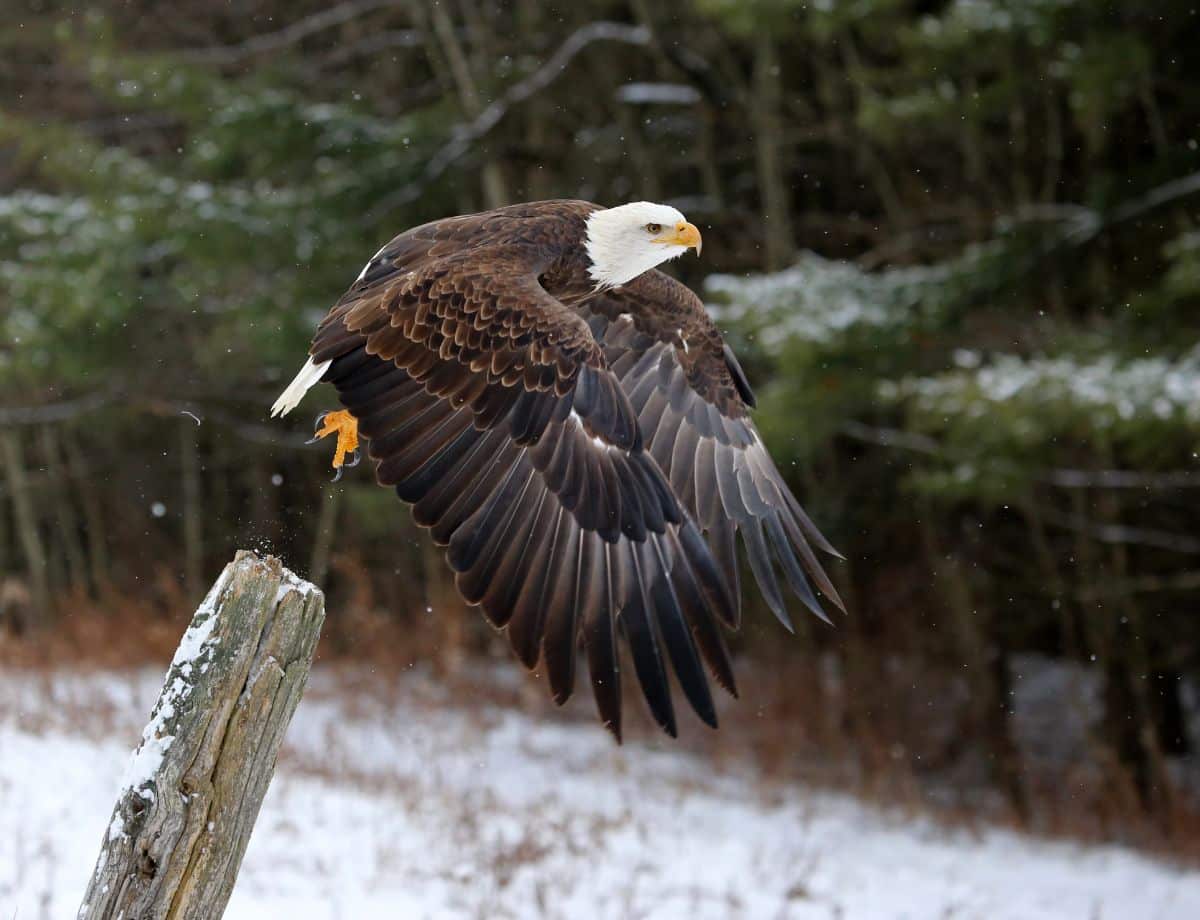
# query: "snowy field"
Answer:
x=393 y=801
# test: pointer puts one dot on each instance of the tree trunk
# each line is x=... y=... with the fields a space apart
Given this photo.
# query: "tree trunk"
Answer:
x=779 y=243
x=193 y=789
x=66 y=523
x=93 y=513
x=25 y=522
x=318 y=567
x=539 y=116
x=1129 y=714
x=495 y=189
x=443 y=602
x=193 y=513
x=4 y=551
x=986 y=670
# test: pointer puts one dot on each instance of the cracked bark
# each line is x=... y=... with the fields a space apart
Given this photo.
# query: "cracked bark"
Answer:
x=180 y=827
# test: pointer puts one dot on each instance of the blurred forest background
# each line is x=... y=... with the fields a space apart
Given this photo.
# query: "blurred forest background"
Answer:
x=956 y=245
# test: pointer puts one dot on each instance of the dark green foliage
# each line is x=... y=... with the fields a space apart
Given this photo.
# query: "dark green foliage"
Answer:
x=981 y=372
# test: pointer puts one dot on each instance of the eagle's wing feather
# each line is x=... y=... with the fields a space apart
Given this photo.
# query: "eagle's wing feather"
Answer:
x=692 y=401
x=489 y=406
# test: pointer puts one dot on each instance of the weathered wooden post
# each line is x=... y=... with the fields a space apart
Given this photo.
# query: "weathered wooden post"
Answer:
x=194 y=786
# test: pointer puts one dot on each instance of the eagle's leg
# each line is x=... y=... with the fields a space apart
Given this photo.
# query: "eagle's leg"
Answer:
x=345 y=426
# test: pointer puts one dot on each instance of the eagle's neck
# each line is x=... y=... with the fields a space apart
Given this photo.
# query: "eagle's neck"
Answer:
x=568 y=278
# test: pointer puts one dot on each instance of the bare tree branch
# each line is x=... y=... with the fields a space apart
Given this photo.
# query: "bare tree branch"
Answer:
x=56 y=412
x=70 y=409
x=1063 y=478
x=494 y=186
x=890 y=437
x=1160 y=195
x=291 y=34
x=1121 y=479
x=272 y=435
x=372 y=44
x=1144 y=584
x=467 y=134
x=1123 y=534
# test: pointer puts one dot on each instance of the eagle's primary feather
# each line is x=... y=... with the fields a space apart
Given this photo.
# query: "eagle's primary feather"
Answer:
x=579 y=443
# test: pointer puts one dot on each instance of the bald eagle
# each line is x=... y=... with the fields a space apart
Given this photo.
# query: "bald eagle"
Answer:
x=569 y=424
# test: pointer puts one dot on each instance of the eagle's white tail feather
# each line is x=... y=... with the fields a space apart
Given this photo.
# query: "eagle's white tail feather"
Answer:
x=290 y=398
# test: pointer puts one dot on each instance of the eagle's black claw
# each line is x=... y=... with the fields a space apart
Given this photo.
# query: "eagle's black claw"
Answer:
x=338 y=475
x=317 y=425
x=355 y=457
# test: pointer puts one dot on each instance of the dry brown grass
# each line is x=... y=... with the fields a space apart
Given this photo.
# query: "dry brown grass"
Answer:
x=798 y=719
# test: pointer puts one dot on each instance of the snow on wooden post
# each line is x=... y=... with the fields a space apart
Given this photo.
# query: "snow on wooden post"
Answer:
x=195 y=783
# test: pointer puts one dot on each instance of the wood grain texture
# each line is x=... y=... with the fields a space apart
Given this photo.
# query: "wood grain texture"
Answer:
x=195 y=784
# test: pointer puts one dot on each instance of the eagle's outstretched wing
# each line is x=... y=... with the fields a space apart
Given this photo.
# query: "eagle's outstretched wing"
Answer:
x=489 y=406
x=692 y=398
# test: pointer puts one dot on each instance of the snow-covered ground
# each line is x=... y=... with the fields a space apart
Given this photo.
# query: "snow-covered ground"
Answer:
x=393 y=801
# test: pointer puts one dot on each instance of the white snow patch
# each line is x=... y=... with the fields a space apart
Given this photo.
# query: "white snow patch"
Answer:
x=116 y=827
x=657 y=94
x=1106 y=388
x=293 y=582
x=825 y=300
x=198 y=633
x=194 y=648
x=458 y=812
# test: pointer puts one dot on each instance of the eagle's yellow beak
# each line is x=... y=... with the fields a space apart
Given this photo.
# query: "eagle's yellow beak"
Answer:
x=684 y=234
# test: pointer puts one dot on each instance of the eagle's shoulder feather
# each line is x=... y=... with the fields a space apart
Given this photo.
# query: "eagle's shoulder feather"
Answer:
x=586 y=466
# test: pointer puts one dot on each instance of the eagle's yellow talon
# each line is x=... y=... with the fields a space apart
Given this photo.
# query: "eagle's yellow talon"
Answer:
x=345 y=426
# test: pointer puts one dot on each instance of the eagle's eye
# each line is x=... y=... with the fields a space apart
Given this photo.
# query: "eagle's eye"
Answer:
x=654 y=228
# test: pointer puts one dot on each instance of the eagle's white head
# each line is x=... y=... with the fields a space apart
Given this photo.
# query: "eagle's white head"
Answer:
x=625 y=241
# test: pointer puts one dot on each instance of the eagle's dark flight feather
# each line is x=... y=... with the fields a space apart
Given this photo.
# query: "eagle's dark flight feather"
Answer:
x=586 y=458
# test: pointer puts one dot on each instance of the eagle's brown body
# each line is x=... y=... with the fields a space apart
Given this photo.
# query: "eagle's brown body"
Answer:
x=585 y=456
